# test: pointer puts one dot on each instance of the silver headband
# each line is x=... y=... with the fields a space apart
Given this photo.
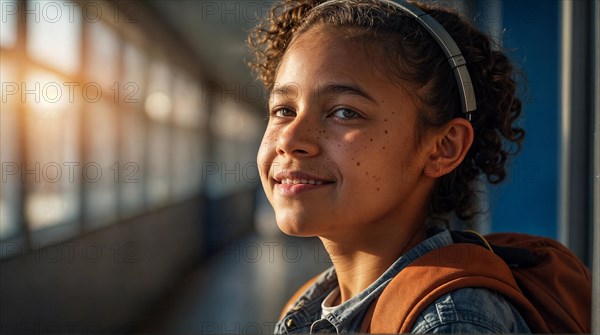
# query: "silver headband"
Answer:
x=445 y=41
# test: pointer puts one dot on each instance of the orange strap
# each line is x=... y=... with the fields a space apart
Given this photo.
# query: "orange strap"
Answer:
x=439 y=272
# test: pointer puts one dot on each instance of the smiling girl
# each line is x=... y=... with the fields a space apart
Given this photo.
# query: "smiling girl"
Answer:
x=371 y=144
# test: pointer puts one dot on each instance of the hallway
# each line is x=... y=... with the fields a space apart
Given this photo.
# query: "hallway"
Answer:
x=241 y=289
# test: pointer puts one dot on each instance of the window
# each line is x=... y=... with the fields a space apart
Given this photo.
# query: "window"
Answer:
x=234 y=127
x=133 y=129
x=158 y=107
x=8 y=23
x=189 y=118
x=49 y=171
x=103 y=53
x=54 y=34
x=94 y=125
x=9 y=188
x=102 y=174
x=101 y=125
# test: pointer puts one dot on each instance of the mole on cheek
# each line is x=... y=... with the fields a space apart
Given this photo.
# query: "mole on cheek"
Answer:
x=386 y=131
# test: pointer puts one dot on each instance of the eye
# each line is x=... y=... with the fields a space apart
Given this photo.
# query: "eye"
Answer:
x=283 y=112
x=345 y=114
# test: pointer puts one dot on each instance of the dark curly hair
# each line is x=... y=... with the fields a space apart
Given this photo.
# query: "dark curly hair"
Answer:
x=414 y=59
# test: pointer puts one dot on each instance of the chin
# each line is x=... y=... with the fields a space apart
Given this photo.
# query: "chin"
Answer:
x=294 y=226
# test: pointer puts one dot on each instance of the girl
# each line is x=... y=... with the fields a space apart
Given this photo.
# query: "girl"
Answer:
x=371 y=144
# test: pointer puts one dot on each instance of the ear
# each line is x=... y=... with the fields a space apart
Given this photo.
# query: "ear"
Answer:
x=451 y=146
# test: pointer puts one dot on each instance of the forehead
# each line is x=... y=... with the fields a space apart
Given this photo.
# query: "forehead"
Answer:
x=325 y=54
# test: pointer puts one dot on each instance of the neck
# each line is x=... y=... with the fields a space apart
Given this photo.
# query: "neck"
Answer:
x=360 y=260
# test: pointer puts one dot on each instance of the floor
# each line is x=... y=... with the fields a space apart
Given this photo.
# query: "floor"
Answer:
x=242 y=289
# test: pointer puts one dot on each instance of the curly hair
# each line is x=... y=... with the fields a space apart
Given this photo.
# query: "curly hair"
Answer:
x=413 y=58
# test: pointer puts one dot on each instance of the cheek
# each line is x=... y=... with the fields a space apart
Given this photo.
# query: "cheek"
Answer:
x=266 y=153
x=381 y=159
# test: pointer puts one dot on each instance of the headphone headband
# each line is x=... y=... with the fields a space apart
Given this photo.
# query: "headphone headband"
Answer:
x=446 y=42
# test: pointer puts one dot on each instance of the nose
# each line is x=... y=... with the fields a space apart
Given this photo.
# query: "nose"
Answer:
x=299 y=138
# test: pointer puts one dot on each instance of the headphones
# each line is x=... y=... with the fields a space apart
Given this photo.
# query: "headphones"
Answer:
x=445 y=41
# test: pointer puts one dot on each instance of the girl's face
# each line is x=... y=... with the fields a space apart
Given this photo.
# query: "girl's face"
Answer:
x=339 y=153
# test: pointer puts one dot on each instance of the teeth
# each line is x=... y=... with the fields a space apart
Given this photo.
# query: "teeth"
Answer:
x=301 y=181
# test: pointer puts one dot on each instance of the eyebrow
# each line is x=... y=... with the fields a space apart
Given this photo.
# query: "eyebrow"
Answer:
x=284 y=90
x=328 y=89
x=333 y=89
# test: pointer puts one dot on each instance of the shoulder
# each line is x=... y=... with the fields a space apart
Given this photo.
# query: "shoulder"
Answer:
x=470 y=310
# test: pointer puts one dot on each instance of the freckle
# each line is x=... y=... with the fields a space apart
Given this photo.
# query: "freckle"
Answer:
x=367 y=173
x=378 y=189
x=371 y=140
x=383 y=148
x=318 y=138
x=357 y=163
x=386 y=131
x=384 y=120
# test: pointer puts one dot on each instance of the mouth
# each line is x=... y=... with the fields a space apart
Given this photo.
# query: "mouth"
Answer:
x=293 y=183
x=288 y=181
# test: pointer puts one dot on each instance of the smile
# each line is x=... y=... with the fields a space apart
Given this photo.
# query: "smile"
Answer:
x=292 y=188
x=292 y=183
x=302 y=181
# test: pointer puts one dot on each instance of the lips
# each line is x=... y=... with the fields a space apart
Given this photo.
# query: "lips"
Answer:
x=290 y=183
x=298 y=177
x=302 y=181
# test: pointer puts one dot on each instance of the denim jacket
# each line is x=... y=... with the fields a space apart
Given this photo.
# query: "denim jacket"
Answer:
x=467 y=310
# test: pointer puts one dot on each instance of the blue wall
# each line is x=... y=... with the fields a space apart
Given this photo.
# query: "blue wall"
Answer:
x=527 y=200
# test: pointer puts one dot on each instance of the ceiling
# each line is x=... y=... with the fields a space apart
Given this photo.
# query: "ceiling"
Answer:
x=216 y=31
